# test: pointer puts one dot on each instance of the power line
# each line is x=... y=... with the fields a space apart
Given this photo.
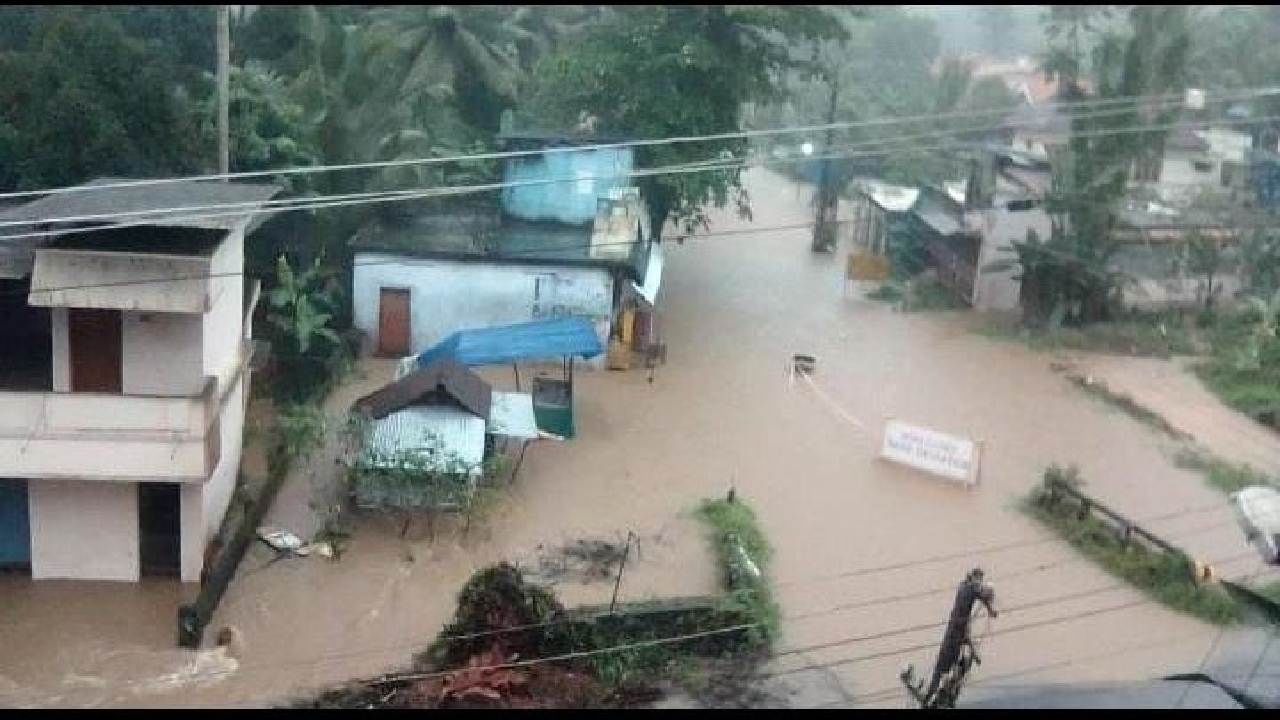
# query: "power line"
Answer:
x=304 y=170
x=256 y=205
x=973 y=551
x=156 y=215
x=1070 y=559
x=926 y=646
x=1053 y=600
x=572 y=619
x=528 y=251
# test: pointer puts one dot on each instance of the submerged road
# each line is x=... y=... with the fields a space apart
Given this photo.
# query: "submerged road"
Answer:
x=867 y=553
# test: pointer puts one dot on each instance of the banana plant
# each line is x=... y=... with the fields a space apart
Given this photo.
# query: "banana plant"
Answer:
x=302 y=307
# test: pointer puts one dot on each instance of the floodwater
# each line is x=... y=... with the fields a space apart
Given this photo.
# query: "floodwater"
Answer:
x=853 y=535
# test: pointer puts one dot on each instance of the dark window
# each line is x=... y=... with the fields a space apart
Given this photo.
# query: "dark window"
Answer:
x=1202 y=166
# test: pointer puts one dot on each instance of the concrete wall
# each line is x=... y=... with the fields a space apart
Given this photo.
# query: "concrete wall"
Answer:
x=198 y=528
x=223 y=322
x=162 y=353
x=447 y=296
x=85 y=530
x=93 y=279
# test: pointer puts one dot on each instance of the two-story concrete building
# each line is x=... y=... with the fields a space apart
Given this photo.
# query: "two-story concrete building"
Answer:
x=123 y=378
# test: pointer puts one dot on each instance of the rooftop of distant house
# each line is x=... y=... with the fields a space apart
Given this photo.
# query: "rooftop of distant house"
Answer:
x=484 y=234
x=149 y=202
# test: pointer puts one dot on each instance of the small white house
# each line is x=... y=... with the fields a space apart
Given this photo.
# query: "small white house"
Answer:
x=123 y=381
x=570 y=237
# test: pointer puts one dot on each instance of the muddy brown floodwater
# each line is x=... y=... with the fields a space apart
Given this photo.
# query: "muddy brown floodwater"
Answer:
x=721 y=414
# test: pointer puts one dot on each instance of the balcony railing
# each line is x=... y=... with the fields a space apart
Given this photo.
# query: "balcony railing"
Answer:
x=109 y=437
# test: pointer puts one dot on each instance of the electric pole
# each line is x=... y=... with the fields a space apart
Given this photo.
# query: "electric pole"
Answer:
x=827 y=197
x=957 y=654
x=224 y=90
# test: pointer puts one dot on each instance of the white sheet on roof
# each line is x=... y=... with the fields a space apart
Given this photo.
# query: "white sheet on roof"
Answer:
x=511 y=414
x=892 y=198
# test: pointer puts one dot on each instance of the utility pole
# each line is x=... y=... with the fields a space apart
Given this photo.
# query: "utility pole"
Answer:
x=957 y=654
x=224 y=89
x=827 y=196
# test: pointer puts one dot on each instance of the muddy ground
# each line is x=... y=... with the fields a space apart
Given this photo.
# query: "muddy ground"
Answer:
x=853 y=535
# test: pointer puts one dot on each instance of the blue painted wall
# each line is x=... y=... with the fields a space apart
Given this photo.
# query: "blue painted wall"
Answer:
x=572 y=201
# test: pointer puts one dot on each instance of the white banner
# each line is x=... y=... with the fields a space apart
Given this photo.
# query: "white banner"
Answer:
x=951 y=457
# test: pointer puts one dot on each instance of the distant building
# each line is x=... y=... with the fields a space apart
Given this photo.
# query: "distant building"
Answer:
x=570 y=236
x=122 y=399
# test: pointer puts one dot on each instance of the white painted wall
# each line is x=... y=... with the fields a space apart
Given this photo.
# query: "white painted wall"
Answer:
x=85 y=530
x=223 y=322
x=162 y=353
x=447 y=295
x=214 y=497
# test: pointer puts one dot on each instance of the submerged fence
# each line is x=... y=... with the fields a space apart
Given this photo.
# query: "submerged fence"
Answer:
x=1057 y=490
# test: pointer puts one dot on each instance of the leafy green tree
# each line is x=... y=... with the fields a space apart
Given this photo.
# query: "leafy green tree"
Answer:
x=442 y=53
x=269 y=129
x=627 y=70
x=85 y=99
x=1069 y=276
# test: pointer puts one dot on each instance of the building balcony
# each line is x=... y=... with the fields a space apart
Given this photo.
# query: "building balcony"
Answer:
x=110 y=437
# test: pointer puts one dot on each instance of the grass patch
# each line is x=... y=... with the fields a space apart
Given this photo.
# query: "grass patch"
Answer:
x=1141 y=335
x=1128 y=405
x=1163 y=577
x=743 y=553
x=1253 y=392
x=1221 y=474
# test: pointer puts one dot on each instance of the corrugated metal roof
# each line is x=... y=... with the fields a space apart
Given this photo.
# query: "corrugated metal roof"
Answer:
x=464 y=386
x=511 y=414
x=443 y=434
x=184 y=193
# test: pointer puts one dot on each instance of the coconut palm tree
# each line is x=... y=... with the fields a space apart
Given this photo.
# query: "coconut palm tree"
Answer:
x=465 y=56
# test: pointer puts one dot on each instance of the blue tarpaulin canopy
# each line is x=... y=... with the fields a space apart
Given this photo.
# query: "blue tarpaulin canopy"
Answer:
x=537 y=340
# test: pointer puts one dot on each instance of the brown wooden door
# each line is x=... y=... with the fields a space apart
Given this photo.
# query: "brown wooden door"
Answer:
x=394 y=326
x=95 y=344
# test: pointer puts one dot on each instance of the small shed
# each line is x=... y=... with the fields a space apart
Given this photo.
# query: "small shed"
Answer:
x=441 y=381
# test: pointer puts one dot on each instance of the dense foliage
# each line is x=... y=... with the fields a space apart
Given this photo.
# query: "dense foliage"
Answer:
x=660 y=71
